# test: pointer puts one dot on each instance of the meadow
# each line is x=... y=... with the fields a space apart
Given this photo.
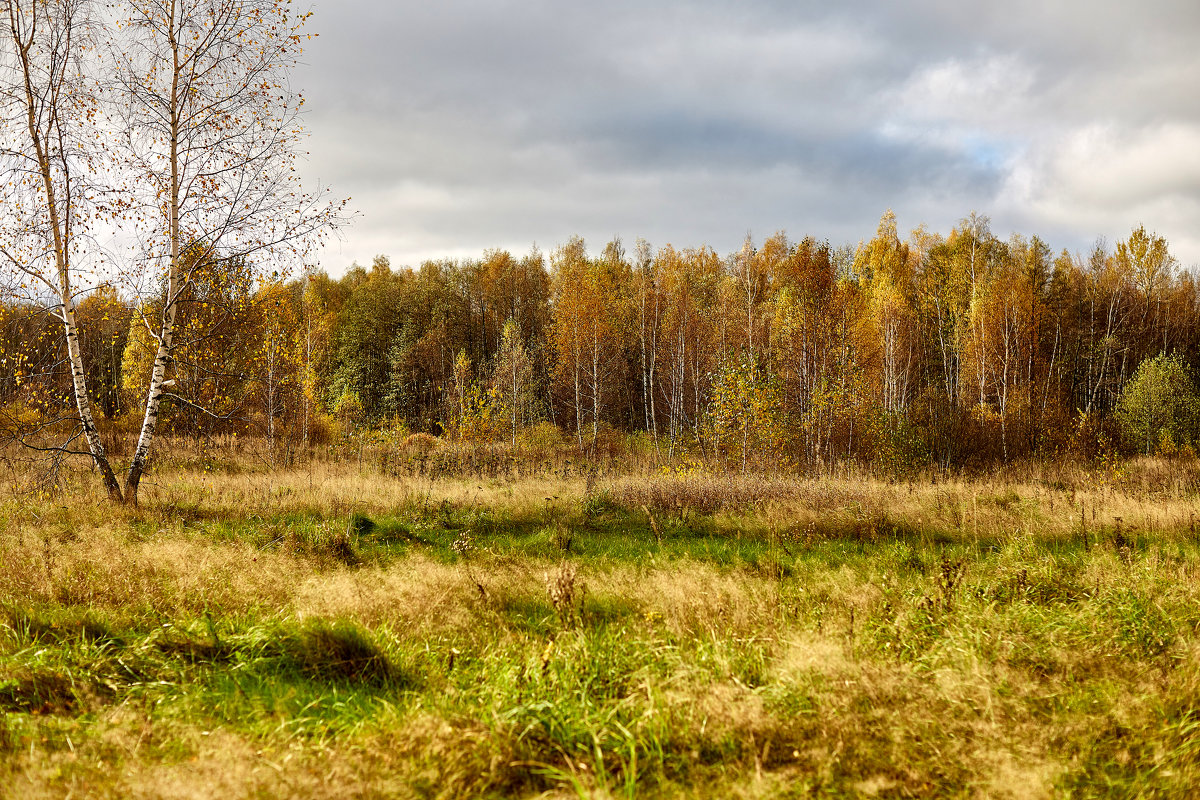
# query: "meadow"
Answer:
x=351 y=628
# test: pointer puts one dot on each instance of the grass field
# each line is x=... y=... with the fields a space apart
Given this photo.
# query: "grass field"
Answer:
x=333 y=631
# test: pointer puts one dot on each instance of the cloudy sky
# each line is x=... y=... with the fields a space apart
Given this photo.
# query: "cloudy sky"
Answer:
x=461 y=125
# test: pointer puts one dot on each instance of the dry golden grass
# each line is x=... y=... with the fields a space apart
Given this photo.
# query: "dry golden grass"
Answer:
x=103 y=568
x=763 y=636
x=1147 y=496
x=333 y=489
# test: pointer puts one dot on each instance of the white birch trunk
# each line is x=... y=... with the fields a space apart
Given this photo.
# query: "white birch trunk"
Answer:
x=596 y=382
x=166 y=333
x=60 y=210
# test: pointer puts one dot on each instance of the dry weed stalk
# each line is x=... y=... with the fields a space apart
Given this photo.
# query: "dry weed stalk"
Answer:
x=566 y=594
x=464 y=546
x=653 y=524
x=948 y=580
x=561 y=536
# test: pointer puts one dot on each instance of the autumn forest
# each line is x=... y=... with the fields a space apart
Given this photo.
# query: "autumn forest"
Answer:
x=952 y=349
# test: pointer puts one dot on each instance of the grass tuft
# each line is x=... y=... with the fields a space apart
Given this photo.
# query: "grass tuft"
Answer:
x=341 y=651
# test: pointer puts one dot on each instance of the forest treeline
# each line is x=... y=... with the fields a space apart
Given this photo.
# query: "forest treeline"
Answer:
x=959 y=349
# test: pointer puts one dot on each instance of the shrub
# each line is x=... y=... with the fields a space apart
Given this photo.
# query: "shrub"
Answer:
x=543 y=437
x=420 y=444
x=1159 y=405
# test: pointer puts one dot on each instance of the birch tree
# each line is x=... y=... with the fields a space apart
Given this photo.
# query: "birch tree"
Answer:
x=49 y=128
x=514 y=378
x=648 y=295
x=211 y=135
x=569 y=327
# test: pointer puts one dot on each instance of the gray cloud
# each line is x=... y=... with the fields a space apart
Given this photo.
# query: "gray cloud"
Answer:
x=460 y=125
